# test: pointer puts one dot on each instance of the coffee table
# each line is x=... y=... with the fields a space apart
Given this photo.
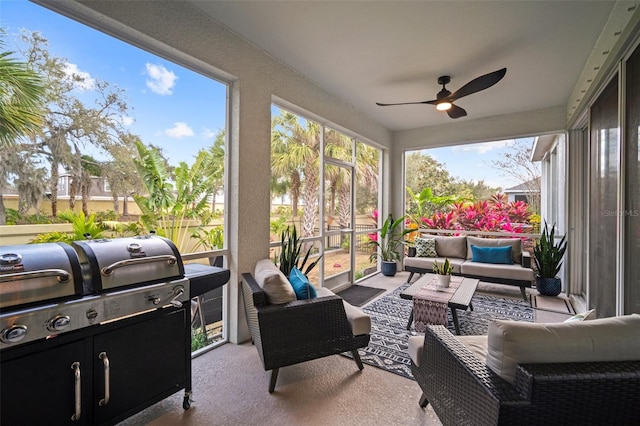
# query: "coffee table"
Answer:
x=457 y=297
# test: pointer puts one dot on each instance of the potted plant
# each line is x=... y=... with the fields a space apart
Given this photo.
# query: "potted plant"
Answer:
x=386 y=247
x=548 y=258
x=290 y=251
x=443 y=273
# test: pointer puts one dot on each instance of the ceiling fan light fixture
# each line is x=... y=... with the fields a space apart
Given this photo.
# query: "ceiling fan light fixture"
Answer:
x=443 y=106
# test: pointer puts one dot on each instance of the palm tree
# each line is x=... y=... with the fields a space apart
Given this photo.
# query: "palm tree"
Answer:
x=21 y=99
x=296 y=154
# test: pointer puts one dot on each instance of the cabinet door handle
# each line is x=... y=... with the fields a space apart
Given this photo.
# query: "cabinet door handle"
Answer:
x=78 y=391
x=105 y=361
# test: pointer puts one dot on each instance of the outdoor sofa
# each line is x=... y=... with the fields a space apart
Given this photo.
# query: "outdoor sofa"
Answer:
x=523 y=373
x=496 y=260
x=288 y=331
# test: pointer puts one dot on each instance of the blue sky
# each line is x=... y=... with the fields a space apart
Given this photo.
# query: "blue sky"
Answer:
x=475 y=161
x=178 y=109
x=169 y=105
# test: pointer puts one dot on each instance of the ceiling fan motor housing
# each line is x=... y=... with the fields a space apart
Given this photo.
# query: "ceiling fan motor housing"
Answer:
x=445 y=79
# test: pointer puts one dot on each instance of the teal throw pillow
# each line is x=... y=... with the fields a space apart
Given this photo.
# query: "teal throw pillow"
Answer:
x=496 y=255
x=301 y=285
x=426 y=247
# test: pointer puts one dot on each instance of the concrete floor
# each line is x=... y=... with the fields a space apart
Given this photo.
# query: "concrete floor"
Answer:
x=230 y=387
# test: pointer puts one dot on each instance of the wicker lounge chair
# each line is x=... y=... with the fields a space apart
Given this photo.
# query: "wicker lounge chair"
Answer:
x=463 y=390
x=298 y=331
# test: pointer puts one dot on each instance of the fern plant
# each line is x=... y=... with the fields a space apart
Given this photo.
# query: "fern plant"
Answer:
x=548 y=254
x=82 y=227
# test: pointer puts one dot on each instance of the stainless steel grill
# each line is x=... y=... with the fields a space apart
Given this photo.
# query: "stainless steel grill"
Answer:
x=53 y=288
x=93 y=332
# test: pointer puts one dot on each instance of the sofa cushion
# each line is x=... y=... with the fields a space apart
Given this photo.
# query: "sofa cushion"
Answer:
x=607 y=339
x=273 y=282
x=426 y=247
x=493 y=270
x=515 y=243
x=359 y=321
x=301 y=285
x=451 y=246
x=497 y=255
x=426 y=263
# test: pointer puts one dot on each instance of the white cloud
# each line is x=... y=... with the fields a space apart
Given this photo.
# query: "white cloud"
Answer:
x=208 y=134
x=483 y=147
x=82 y=79
x=179 y=130
x=161 y=80
x=127 y=121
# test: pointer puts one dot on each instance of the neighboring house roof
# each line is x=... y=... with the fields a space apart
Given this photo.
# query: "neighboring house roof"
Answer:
x=525 y=186
x=96 y=191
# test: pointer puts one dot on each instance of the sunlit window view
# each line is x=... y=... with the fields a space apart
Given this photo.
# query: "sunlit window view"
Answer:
x=324 y=184
x=123 y=147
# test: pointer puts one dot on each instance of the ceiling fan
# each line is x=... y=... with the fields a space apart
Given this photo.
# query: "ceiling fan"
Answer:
x=444 y=99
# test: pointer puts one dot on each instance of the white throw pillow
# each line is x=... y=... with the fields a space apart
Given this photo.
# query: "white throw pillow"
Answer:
x=606 y=339
x=275 y=285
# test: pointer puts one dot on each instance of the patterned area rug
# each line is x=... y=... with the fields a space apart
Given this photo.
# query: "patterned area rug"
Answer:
x=389 y=335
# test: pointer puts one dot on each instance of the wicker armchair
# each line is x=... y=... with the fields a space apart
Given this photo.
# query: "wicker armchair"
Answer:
x=297 y=331
x=464 y=391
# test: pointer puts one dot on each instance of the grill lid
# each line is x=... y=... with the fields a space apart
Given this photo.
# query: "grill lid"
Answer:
x=35 y=273
x=127 y=262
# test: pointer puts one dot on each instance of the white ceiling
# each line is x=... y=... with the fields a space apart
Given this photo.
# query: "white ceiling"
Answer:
x=394 y=51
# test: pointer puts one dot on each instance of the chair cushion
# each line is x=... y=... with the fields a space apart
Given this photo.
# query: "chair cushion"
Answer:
x=415 y=346
x=492 y=255
x=301 y=285
x=359 y=321
x=515 y=243
x=426 y=247
x=606 y=339
x=273 y=282
x=476 y=344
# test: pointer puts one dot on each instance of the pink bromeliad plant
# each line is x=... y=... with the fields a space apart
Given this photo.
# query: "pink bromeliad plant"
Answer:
x=494 y=214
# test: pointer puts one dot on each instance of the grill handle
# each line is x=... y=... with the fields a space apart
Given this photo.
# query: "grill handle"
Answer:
x=105 y=361
x=76 y=373
x=60 y=274
x=108 y=270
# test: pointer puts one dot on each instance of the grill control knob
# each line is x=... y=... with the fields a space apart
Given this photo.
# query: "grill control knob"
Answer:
x=13 y=334
x=58 y=323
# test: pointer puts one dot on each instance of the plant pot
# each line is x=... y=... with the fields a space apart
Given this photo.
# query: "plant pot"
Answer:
x=442 y=281
x=548 y=286
x=389 y=269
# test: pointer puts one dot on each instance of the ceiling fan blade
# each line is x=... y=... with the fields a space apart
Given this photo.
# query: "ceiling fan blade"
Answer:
x=406 y=103
x=456 y=112
x=478 y=84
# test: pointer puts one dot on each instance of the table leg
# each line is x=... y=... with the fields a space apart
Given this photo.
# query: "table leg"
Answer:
x=471 y=306
x=454 y=314
x=410 y=320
